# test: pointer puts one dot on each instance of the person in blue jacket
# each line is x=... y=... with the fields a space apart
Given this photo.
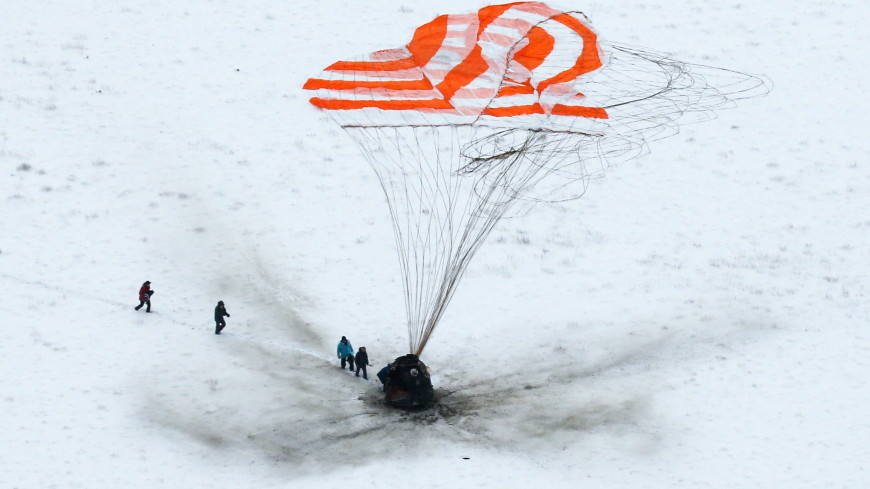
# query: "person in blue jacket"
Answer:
x=384 y=376
x=345 y=353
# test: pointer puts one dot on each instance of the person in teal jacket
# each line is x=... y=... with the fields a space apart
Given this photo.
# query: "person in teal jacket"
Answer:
x=345 y=353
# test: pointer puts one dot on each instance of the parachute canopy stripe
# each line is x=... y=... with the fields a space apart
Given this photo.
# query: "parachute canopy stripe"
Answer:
x=501 y=61
x=509 y=90
x=389 y=65
x=428 y=38
x=579 y=111
x=540 y=45
x=474 y=65
x=421 y=84
x=588 y=60
x=333 y=104
x=514 y=110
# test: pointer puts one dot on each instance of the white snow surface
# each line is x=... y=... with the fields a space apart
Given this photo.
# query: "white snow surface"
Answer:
x=698 y=319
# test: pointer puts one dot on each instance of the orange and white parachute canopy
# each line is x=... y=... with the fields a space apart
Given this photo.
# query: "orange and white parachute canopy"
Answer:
x=505 y=65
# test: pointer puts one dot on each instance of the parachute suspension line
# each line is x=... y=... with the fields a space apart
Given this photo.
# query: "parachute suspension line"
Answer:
x=385 y=165
x=416 y=227
x=447 y=229
x=418 y=222
x=490 y=206
x=445 y=201
x=438 y=225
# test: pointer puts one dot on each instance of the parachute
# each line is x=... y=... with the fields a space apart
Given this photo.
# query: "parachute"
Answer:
x=484 y=113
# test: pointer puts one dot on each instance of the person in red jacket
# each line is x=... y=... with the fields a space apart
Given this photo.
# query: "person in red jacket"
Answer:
x=145 y=293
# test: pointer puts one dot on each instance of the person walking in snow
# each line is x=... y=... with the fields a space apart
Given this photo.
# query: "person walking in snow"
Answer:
x=145 y=294
x=345 y=353
x=362 y=360
x=219 y=312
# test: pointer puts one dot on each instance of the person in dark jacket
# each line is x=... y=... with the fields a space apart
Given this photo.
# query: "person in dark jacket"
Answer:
x=384 y=376
x=345 y=353
x=362 y=359
x=219 y=312
x=145 y=294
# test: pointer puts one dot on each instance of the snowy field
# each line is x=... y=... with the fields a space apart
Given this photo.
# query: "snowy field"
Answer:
x=698 y=319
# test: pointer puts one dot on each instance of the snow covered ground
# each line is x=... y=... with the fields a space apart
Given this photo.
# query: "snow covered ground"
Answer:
x=698 y=319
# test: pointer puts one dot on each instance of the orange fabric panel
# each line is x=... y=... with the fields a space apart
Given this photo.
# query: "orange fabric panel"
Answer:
x=524 y=89
x=540 y=45
x=316 y=84
x=392 y=65
x=464 y=73
x=514 y=110
x=588 y=60
x=332 y=104
x=577 y=111
x=473 y=65
x=427 y=40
